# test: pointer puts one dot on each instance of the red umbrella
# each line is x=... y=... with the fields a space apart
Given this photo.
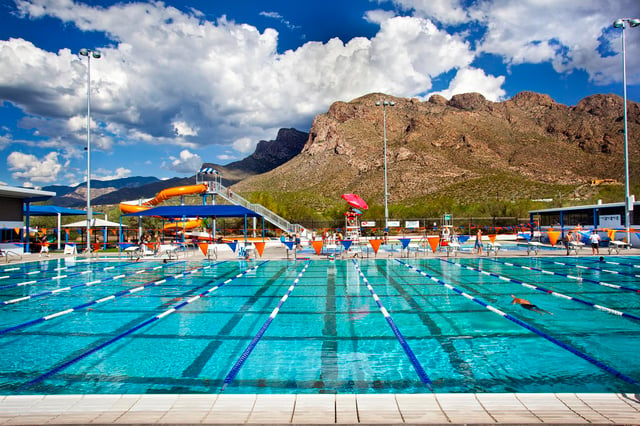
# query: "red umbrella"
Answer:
x=355 y=201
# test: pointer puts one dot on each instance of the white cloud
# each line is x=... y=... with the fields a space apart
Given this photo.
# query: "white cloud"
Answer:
x=445 y=11
x=187 y=162
x=28 y=168
x=203 y=82
x=244 y=145
x=103 y=174
x=469 y=80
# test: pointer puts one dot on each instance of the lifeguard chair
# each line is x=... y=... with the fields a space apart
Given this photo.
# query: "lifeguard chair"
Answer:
x=352 y=224
x=447 y=233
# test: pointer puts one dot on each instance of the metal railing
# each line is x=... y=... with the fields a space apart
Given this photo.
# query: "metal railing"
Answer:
x=275 y=219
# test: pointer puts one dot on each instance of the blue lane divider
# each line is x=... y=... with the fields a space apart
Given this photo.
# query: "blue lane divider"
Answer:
x=611 y=262
x=547 y=291
x=103 y=299
x=87 y=284
x=555 y=262
x=251 y=346
x=561 y=274
x=403 y=342
x=138 y=327
x=40 y=271
x=529 y=327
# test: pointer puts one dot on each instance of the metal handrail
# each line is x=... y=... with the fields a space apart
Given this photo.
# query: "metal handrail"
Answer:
x=272 y=217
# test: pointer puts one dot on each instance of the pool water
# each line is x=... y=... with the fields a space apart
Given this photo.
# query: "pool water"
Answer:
x=210 y=327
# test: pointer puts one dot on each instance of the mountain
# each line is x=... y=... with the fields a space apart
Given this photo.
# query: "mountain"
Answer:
x=75 y=196
x=467 y=147
x=268 y=155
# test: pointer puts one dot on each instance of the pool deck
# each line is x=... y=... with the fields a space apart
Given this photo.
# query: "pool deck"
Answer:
x=390 y=409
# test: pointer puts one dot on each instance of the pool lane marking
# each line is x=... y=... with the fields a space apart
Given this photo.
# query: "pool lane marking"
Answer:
x=403 y=342
x=529 y=327
x=555 y=262
x=39 y=271
x=57 y=277
x=547 y=291
x=87 y=284
x=102 y=300
x=153 y=319
x=573 y=277
x=251 y=346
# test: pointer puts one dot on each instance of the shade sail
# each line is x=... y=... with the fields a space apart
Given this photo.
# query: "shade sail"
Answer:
x=197 y=211
x=95 y=223
x=53 y=211
x=355 y=201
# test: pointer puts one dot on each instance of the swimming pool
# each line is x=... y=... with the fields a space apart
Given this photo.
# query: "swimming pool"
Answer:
x=320 y=326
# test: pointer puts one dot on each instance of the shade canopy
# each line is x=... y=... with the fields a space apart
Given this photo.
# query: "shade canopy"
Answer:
x=355 y=201
x=53 y=211
x=95 y=223
x=197 y=211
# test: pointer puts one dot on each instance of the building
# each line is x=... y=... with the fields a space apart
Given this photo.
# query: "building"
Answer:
x=600 y=216
x=14 y=203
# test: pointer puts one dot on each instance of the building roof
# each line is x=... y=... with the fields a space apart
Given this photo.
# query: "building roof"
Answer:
x=27 y=194
x=197 y=211
x=585 y=207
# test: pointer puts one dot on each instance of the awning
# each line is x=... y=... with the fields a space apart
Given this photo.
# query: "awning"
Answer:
x=53 y=211
x=197 y=211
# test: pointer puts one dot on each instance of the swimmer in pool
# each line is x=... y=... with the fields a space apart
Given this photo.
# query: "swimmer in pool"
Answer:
x=528 y=305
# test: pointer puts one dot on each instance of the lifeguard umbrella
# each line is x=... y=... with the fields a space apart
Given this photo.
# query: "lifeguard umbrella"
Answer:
x=355 y=201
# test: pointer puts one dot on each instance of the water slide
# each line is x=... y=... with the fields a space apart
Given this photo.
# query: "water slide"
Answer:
x=137 y=205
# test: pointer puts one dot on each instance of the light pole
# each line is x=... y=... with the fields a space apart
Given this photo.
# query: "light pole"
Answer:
x=628 y=202
x=386 y=192
x=96 y=55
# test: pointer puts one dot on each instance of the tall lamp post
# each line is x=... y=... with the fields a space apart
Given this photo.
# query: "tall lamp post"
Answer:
x=628 y=201
x=96 y=55
x=386 y=192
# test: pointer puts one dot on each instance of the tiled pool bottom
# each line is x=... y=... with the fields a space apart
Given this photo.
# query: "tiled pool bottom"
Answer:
x=484 y=408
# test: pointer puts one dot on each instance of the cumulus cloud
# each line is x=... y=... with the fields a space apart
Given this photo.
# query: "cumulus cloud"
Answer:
x=103 y=174
x=29 y=168
x=569 y=35
x=469 y=80
x=236 y=86
x=187 y=162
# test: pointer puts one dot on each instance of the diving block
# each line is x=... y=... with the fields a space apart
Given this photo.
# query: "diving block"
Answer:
x=168 y=250
x=575 y=246
x=534 y=246
x=617 y=246
x=133 y=252
x=493 y=247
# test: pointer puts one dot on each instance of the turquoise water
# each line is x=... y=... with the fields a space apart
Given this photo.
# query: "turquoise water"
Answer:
x=329 y=335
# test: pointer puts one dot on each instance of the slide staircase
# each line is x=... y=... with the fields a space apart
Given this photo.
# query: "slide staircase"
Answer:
x=215 y=187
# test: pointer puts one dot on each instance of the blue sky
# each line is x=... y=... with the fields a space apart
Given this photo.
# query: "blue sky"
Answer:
x=185 y=82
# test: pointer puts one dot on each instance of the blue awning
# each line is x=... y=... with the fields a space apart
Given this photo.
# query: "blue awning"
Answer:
x=197 y=211
x=53 y=211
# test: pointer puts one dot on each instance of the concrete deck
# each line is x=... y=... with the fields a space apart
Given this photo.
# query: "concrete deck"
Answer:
x=388 y=409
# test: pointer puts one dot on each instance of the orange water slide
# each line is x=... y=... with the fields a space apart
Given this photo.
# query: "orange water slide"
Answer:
x=164 y=195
